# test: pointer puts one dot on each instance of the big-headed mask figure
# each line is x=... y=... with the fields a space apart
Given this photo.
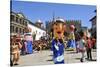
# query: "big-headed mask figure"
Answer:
x=59 y=28
x=28 y=40
x=71 y=42
x=57 y=42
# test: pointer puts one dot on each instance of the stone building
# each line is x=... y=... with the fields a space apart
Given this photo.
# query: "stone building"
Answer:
x=18 y=23
x=93 y=28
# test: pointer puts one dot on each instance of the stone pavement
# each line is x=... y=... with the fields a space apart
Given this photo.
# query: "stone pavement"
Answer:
x=45 y=58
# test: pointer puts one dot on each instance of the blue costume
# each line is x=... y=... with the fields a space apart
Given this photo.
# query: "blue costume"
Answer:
x=71 y=42
x=29 y=47
x=29 y=41
x=58 y=52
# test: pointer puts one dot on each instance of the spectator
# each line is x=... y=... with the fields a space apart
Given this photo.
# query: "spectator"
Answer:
x=93 y=43
x=23 y=50
x=89 y=48
x=82 y=44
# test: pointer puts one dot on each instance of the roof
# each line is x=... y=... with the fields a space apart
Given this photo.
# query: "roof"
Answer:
x=35 y=25
x=92 y=18
x=39 y=21
x=22 y=16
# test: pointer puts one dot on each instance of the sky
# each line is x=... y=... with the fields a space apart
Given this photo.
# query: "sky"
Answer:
x=44 y=11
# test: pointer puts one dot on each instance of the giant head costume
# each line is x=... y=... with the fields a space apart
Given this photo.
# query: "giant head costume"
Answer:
x=57 y=43
x=59 y=28
x=72 y=28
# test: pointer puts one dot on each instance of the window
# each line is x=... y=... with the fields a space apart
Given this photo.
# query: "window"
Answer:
x=20 y=21
x=20 y=30
x=23 y=22
x=12 y=17
x=23 y=31
x=43 y=33
x=39 y=33
x=11 y=29
x=16 y=19
x=16 y=29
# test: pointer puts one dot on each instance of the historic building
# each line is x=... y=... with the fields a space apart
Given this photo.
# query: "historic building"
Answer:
x=39 y=23
x=36 y=30
x=18 y=23
x=93 y=28
x=76 y=23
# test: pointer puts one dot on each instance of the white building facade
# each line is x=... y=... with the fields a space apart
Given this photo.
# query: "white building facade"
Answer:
x=39 y=32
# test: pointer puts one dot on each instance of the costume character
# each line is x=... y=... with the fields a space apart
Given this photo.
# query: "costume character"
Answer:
x=71 y=42
x=57 y=41
x=15 y=49
x=29 y=41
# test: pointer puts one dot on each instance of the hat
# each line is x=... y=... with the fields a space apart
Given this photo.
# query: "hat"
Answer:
x=59 y=20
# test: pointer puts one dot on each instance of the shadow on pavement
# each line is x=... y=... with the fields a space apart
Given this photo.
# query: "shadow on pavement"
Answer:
x=92 y=60
x=77 y=58
x=86 y=59
x=50 y=60
x=71 y=52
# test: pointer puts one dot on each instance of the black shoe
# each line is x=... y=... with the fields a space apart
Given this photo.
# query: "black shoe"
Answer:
x=11 y=64
x=81 y=60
